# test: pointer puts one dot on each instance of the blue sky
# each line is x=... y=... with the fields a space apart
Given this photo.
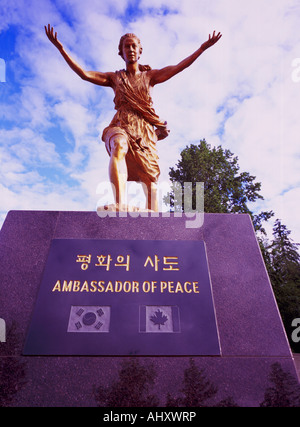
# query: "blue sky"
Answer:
x=243 y=94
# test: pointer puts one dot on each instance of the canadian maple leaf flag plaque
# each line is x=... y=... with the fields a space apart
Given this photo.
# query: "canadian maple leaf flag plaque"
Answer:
x=159 y=319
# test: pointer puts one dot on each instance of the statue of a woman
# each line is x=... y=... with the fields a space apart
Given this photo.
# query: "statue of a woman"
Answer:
x=131 y=137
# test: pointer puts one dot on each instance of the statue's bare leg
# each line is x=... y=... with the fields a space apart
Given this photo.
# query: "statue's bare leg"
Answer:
x=150 y=190
x=118 y=169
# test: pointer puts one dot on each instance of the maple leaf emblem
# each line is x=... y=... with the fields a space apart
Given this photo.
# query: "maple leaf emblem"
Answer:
x=159 y=318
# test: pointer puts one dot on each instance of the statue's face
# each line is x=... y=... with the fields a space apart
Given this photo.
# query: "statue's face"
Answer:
x=131 y=50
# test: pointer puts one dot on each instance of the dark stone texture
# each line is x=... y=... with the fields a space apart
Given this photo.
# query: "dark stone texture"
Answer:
x=251 y=333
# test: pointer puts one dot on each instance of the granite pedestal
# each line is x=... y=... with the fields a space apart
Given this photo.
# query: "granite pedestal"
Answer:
x=250 y=331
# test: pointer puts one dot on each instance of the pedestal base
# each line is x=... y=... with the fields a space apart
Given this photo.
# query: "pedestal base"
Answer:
x=252 y=338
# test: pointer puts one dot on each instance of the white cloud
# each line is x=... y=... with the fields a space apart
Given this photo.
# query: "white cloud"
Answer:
x=28 y=147
x=75 y=117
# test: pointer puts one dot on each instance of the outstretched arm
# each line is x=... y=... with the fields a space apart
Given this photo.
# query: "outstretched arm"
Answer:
x=102 y=79
x=160 y=76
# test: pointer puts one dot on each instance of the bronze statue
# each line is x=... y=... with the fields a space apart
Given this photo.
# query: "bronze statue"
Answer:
x=131 y=137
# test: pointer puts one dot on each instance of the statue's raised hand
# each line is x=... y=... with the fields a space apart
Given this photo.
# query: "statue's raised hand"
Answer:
x=211 y=40
x=53 y=37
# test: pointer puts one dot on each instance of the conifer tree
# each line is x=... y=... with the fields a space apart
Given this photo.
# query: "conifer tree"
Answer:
x=226 y=189
x=283 y=264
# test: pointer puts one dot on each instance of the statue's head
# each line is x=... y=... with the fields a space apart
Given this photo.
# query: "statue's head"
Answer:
x=129 y=36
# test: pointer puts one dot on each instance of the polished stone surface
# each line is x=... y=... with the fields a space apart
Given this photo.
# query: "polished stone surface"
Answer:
x=252 y=337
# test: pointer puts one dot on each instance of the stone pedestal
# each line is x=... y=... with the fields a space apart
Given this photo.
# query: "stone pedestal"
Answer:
x=251 y=334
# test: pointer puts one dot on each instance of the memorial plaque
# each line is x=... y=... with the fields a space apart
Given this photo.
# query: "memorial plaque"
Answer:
x=124 y=297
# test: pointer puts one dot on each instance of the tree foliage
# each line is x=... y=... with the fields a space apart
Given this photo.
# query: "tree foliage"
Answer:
x=284 y=257
x=226 y=189
x=282 y=260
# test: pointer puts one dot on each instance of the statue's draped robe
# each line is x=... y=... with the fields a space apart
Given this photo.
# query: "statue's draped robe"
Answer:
x=136 y=120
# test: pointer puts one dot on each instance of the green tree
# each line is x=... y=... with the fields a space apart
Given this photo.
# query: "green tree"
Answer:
x=284 y=256
x=282 y=260
x=226 y=189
